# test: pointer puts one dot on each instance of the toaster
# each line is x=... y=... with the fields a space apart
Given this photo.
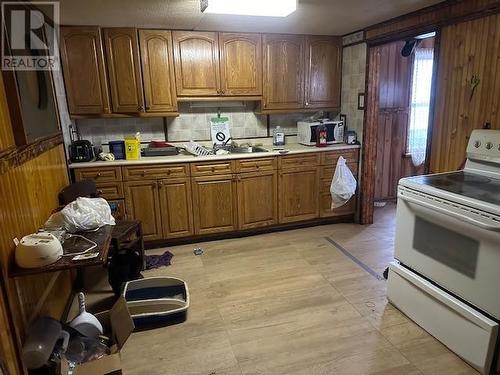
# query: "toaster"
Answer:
x=81 y=151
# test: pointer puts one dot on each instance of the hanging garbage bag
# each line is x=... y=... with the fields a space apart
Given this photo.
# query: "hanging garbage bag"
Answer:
x=343 y=185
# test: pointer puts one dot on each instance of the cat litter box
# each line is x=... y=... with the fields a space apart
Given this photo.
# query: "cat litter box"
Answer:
x=156 y=301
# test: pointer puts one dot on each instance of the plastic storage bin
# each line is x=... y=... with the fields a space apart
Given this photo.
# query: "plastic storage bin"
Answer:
x=156 y=301
x=117 y=148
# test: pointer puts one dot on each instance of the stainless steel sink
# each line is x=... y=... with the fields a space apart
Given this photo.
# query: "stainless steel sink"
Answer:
x=245 y=150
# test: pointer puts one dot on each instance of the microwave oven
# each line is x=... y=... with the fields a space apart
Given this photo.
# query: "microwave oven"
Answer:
x=306 y=131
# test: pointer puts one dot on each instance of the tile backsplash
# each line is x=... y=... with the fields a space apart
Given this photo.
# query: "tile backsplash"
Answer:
x=193 y=123
x=353 y=83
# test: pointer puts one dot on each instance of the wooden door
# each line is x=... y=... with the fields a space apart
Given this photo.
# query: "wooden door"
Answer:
x=323 y=72
x=299 y=195
x=240 y=64
x=283 y=71
x=176 y=207
x=393 y=118
x=142 y=203
x=158 y=70
x=196 y=58
x=122 y=53
x=257 y=199
x=214 y=204
x=84 y=72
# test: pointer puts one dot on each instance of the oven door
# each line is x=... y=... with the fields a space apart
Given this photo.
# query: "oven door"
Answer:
x=452 y=245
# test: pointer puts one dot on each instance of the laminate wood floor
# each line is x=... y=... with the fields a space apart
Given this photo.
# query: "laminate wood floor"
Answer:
x=290 y=303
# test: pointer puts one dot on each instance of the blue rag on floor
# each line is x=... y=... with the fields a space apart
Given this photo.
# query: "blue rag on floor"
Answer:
x=157 y=261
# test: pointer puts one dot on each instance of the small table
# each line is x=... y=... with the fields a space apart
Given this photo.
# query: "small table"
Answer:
x=102 y=237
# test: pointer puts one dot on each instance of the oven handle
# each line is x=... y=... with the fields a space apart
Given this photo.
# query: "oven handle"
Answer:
x=456 y=215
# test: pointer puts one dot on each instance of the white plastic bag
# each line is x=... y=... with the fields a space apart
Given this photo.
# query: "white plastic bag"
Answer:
x=83 y=214
x=343 y=185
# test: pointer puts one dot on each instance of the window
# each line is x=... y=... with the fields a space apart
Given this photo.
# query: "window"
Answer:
x=420 y=103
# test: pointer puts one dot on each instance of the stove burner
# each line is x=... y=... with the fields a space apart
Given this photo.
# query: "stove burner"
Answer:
x=468 y=178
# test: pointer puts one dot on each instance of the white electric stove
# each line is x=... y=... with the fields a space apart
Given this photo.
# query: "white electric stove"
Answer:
x=446 y=276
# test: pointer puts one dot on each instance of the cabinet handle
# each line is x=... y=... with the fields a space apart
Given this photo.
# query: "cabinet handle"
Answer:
x=98 y=174
x=160 y=185
x=307 y=103
x=99 y=192
x=140 y=108
x=223 y=92
x=148 y=108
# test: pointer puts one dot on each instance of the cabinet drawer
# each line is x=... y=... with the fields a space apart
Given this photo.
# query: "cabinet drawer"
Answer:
x=331 y=157
x=203 y=169
x=300 y=161
x=110 y=190
x=155 y=172
x=256 y=165
x=328 y=171
x=98 y=174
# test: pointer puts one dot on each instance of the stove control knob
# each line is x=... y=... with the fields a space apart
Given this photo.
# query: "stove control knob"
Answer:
x=489 y=146
x=477 y=144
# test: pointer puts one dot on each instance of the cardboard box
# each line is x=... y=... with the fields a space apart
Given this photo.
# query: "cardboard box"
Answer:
x=117 y=323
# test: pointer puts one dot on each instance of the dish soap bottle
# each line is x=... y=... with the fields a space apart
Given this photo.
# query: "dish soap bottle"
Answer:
x=278 y=136
x=321 y=135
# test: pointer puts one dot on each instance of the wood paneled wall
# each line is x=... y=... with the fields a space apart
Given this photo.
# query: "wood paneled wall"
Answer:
x=29 y=195
x=468 y=49
x=431 y=17
x=6 y=135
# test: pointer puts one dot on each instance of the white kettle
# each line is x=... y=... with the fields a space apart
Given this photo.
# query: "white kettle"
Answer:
x=38 y=250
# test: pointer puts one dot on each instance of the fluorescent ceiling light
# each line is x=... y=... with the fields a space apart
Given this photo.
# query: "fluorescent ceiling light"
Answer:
x=269 y=8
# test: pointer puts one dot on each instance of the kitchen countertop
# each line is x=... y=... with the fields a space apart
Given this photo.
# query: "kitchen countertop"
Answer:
x=293 y=148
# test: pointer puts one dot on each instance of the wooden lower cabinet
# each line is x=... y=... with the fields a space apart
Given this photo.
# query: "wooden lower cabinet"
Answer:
x=257 y=199
x=142 y=203
x=299 y=195
x=325 y=204
x=176 y=207
x=214 y=204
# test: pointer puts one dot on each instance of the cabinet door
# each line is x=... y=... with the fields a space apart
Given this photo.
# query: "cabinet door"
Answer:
x=176 y=207
x=299 y=195
x=283 y=71
x=158 y=70
x=122 y=52
x=142 y=203
x=214 y=203
x=196 y=57
x=84 y=72
x=323 y=72
x=240 y=64
x=257 y=199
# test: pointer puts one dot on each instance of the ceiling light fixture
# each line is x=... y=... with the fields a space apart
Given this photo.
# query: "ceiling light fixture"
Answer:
x=265 y=8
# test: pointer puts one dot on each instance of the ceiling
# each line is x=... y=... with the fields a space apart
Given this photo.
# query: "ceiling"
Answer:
x=330 y=17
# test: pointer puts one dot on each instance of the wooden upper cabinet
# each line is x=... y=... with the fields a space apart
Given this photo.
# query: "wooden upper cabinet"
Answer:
x=158 y=70
x=196 y=57
x=323 y=72
x=122 y=52
x=84 y=71
x=240 y=64
x=283 y=71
